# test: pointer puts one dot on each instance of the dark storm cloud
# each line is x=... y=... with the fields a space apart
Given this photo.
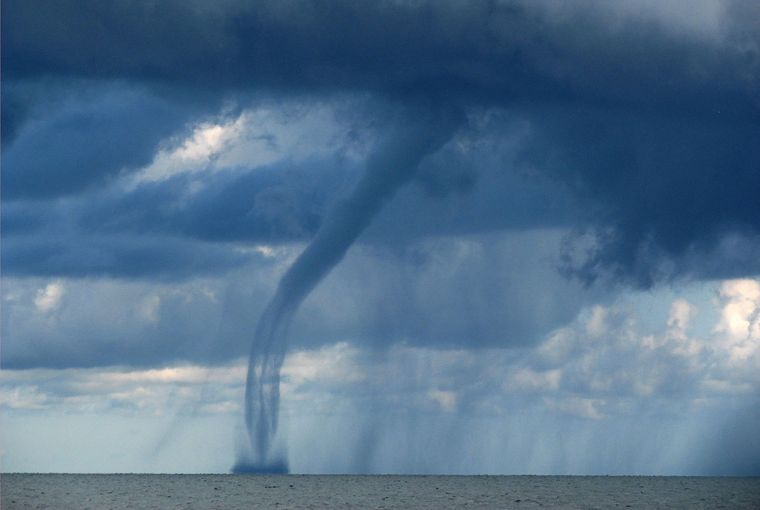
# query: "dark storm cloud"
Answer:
x=87 y=138
x=272 y=203
x=278 y=203
x=666 y=189
x=489 y=51
x=125 y=256
x=156 y=230
x=483 y=292
x=655 y=128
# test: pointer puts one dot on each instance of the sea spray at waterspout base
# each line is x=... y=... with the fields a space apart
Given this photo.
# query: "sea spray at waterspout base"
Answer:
x=391 y=164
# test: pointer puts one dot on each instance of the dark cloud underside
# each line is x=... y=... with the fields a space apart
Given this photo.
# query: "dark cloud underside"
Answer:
x=650 y=129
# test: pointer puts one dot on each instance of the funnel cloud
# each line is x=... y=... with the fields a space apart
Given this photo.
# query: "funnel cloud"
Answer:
x=392 y=163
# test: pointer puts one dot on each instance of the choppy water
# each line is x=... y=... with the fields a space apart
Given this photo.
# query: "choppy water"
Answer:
x=62 y=491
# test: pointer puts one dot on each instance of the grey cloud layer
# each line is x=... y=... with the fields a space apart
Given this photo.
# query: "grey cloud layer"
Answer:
x=494 y=51
x=486 y=291
x=656 y=127
x=628 y=129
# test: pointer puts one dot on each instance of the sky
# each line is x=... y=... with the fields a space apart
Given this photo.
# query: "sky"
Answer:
x=531 y=234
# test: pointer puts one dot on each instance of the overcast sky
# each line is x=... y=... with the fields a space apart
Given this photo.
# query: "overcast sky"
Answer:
x=562 y=274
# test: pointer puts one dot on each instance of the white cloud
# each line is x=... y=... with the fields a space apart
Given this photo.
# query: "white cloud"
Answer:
x=49 y=298
x=671 y=359
x=447 y=400
x=335 y=363
x=154 y=391
x=24 y=397
x=260 y=135
x=577 y=406
x=596 y=325
x=574 y=371
x=739 y=318
x=195 y=153
x=558 y=346
x=148 y=308
x=207 y=140
x=738 y=331
x=225 y=407
x=528 y=379
x=681 y=312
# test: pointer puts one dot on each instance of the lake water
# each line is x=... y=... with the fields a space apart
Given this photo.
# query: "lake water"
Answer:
x=64 y=491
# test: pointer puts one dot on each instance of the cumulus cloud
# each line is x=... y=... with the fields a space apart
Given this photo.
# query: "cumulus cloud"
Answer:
x=739 y=327
x=165 y=391
x=49 y=298
x=672 y=360
x=573 y=383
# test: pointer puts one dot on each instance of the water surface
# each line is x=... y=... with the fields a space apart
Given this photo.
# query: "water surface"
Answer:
x=120 y=491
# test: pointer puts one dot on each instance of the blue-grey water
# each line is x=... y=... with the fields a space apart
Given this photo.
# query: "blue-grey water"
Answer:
x=122 y=491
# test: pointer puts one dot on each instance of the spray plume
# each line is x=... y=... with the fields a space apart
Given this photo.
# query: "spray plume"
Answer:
x=391 y=164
